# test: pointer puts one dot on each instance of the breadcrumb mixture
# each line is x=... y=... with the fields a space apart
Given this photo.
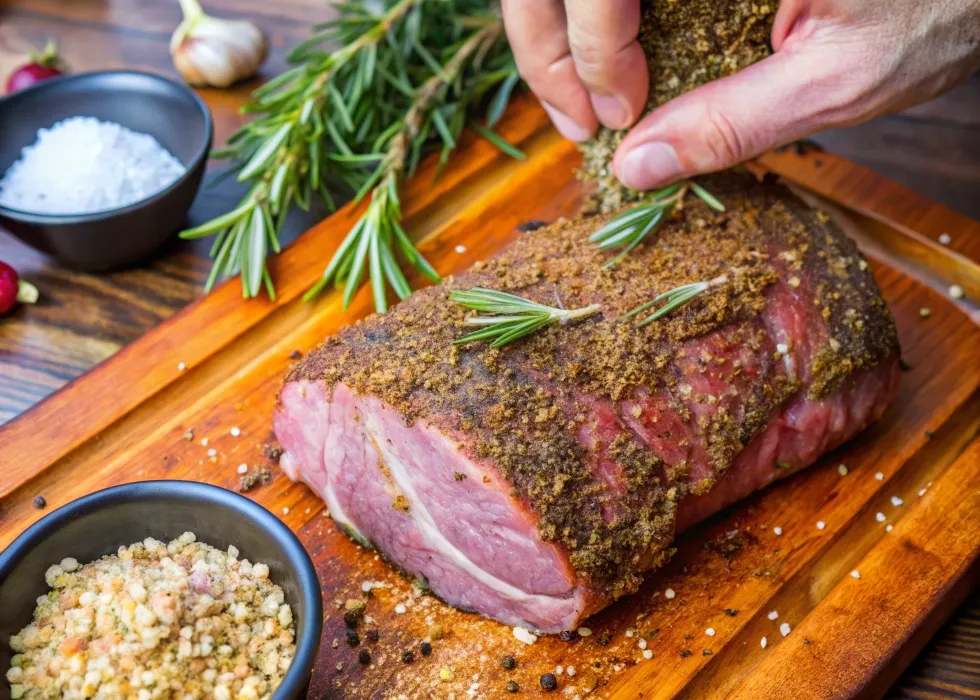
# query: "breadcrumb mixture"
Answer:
x=156 y=620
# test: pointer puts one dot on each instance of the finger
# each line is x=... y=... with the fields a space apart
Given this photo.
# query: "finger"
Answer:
x=782 y=98
x=538 y=36
x=608 y=58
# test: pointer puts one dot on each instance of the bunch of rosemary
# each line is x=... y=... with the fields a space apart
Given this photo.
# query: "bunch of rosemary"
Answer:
x=370 y=93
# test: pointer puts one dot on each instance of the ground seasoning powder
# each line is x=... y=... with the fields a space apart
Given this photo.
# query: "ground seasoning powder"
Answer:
x=688 y=43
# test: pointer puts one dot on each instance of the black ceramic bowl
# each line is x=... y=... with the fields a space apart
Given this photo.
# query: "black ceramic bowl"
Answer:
x=169 y=111
x=99 y=523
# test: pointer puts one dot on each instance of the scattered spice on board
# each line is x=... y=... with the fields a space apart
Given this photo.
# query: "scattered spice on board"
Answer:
x=249 y=481
x=39 y=502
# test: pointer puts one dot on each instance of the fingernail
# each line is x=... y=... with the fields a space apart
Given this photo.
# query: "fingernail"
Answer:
x=649 y=165
x=611 y=111
x=567 y=127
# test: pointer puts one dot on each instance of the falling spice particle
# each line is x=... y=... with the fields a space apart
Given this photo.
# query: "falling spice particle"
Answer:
x=773 y=615
x=945 y=239
x=879 y=476
x=710 y=631
x=889 y=528
x=763 y=642
x=785 y=629
x=242 y=468
x=460 y=249
x=821 y=524
x=285 y=510
x=896 y=501
x=189 y=435
x=922 y=492
x=39 y=502
x=856 y=574
x=235 y=432
x=777 y=531
x=181 y=366
x=881 y=517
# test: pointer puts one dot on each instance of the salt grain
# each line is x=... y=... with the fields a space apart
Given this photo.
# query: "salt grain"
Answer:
x=782 y=348
x=922 y=492
x=777 y=530
x=401 y=610
x=821 y=524
x=896 y=501
x=235 y=432
x=82 y=165
x=461 y=249
x=181 y=366
x=881 y=517
x=669 y=594
x=212 y=452
x=204 y=442
x=945 y=239
x=584 y=632
x=879 y=476
x=763 y=643
x=784 y=629
x=242 y=468
x=520 y=633
x=842 y=469
x=772 y=615
x=629 y=633
x=570 y=670
x=647 y=654
x=956 y=291
x=285 y=510
x=889 y=528
x=855 y=574
x=710 y=631
x=642 y=644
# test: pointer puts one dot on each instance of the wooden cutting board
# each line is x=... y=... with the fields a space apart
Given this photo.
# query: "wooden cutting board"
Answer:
x=860 y=596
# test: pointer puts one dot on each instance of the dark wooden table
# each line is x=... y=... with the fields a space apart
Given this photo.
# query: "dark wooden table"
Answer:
x=84 y=319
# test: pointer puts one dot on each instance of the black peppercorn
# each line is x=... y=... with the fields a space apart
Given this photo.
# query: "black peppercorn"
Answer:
x=508 y=662
x=685 y=653
x=372 y=635
x=39 y=502
x=425 y=648
x=364 y=657
x=352 y=638
x=731 y=612
x=408 y=656
x=549 y=682
x=567 y=635
x=351 y=619
x=512 y=687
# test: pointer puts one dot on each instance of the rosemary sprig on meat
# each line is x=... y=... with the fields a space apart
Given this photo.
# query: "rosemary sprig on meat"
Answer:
x=672 y=299
x=507 y=317
x=407 y=77
x=628 y=229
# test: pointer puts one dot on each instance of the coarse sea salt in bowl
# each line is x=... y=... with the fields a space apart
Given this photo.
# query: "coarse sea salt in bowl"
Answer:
x=142 y=145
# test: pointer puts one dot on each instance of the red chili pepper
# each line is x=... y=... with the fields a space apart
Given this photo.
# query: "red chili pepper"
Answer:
x=41 y=67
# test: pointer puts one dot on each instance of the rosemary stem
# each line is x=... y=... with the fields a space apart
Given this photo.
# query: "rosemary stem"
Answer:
x=571 y=314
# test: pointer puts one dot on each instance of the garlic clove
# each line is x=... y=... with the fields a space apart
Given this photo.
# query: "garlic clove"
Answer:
x=208 y=51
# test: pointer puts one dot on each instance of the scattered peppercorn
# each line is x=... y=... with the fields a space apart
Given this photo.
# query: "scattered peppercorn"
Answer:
x=531 y=225
x=408 y=656
x=508 y=662
x=706 y=652
x=685 y=653
x=512 y=687
x=549 y=682
x=295 y=355
x=364 y=658
x=568 y=635
x=459 y=476
x=351 y=619
x=929 y=434
x=372 y=635
x=39 y=502
x=603 y=639
x=273 y=452
x=425 y=648
x=731 y=612
x=806 y=640
x=352 y=638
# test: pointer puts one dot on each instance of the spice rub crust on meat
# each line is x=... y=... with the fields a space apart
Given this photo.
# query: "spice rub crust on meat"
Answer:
x=601 y=429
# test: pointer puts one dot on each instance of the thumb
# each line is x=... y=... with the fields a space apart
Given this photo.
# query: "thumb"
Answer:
x=784 y=97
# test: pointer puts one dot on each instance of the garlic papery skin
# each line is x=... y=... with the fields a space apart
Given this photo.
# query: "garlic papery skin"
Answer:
x=209 y=51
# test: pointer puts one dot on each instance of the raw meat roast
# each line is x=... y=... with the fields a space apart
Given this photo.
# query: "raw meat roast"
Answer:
x=536 y=483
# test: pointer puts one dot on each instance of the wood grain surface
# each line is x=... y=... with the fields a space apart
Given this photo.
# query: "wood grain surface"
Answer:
x=85 y=319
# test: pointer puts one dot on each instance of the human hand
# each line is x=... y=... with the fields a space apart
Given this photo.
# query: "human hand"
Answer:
x=836 y=62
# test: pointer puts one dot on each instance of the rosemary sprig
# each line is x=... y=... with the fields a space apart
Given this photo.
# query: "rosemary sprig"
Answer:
x=628 y=229
x=408 y=76
x=672 y=299
x=508 y=316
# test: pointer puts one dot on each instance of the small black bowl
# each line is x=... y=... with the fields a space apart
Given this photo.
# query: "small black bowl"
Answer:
x=170 y=112
x=100 y=523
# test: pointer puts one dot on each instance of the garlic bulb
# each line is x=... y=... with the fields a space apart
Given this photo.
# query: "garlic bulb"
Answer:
x=216 y=52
